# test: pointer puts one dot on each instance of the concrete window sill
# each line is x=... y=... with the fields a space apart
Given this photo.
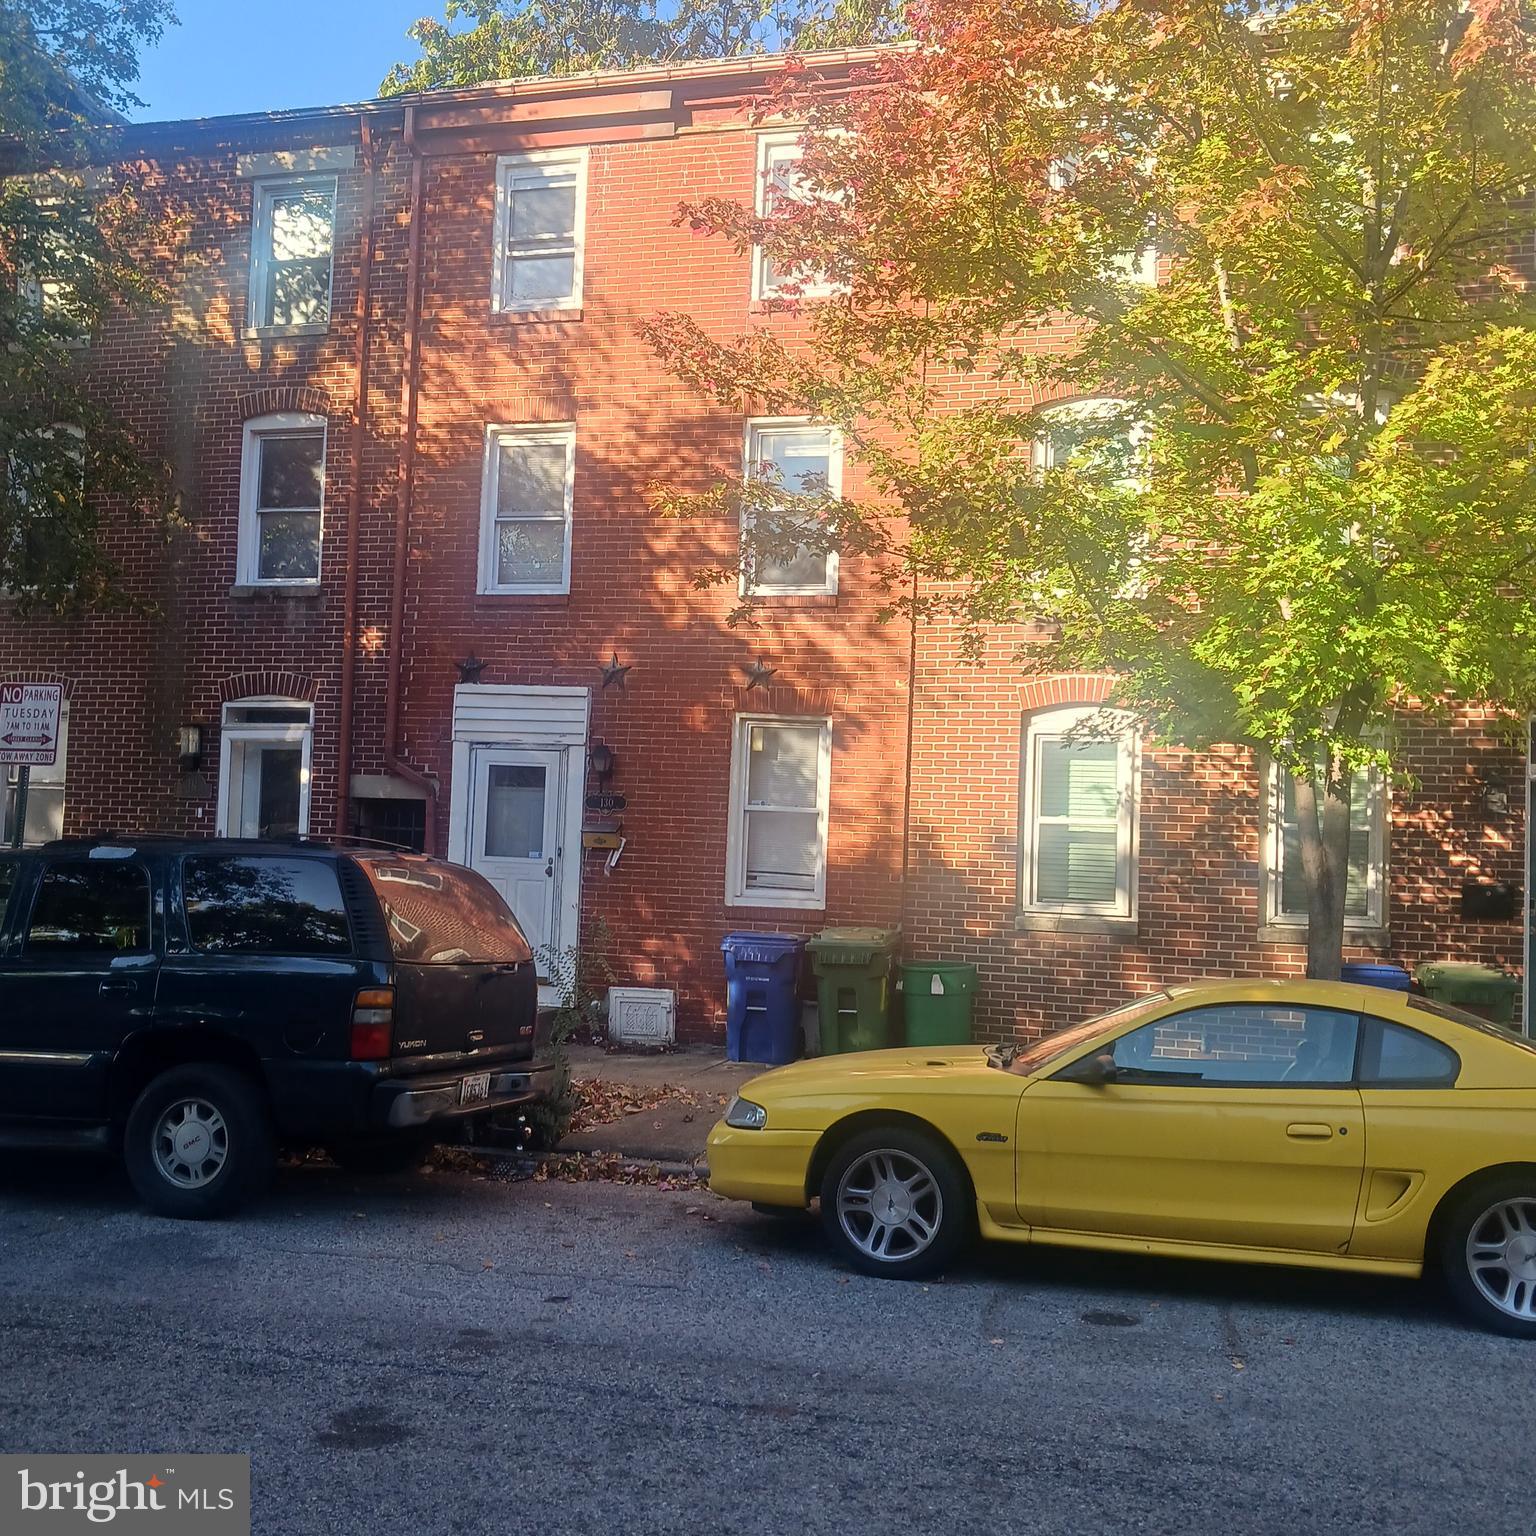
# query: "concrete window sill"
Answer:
x=1076 y=922
x=276 y=589
x=1295 y=935
x=281 y=332
x=537 y=316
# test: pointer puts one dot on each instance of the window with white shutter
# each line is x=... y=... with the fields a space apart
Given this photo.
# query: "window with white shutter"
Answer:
x=777 y=848
x=293 y=229
x=1079 y=804
x=806 y=460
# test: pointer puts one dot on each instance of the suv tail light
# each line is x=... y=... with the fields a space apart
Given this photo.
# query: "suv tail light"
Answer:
x=373 y=1023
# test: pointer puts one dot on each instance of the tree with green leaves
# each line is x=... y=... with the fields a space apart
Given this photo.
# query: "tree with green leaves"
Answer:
x=480 y=40
x=1301 y=506
x=69 y=253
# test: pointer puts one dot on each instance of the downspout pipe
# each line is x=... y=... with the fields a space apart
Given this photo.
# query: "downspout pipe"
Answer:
x=360 y=354
x=410 y=382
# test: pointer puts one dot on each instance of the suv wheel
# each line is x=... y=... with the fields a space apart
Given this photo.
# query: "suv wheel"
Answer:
x=199 y=1142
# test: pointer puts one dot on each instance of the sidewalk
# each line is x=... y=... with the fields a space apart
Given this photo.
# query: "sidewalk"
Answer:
x=653 y=1107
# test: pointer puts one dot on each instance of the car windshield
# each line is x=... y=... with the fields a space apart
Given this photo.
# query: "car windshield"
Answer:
x=1024 y=1059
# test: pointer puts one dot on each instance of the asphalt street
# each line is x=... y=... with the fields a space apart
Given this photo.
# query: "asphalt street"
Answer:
x=441 y=1353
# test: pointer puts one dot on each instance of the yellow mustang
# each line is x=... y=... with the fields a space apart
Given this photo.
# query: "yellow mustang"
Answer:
x=1311 y=1123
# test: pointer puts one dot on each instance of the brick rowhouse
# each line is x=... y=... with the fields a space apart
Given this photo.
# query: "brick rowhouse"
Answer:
x=421 y=697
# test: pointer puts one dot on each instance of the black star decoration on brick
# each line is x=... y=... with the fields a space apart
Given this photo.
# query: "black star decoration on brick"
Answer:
x=470 y=668
x=614 y=670
x=758 y=673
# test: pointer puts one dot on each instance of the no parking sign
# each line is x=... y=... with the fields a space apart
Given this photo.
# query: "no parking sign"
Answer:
x=29 y=723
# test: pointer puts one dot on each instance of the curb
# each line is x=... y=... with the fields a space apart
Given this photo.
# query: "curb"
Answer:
x=514 y=1166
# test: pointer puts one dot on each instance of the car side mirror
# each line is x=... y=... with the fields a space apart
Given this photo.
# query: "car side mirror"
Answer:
x=1097 y=1070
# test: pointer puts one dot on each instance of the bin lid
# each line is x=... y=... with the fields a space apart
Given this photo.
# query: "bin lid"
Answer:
x=744 y=938
x=1464 y=978
x=853 y=946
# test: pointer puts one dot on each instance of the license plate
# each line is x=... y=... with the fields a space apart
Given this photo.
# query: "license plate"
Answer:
x=473 y=1089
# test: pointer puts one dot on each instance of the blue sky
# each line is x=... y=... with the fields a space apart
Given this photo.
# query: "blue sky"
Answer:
x=228 y=56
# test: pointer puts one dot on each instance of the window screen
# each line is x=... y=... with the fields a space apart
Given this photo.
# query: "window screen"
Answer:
x=264 y=906
x=91 y=906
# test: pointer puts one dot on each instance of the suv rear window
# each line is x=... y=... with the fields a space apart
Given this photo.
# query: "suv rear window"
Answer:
x=256 y=905
x=439 y=914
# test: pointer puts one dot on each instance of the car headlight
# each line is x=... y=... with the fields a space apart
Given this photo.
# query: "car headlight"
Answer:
x=744 y=1115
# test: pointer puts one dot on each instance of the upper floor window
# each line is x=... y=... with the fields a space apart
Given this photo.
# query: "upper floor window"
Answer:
x=1135 y=264
x=526 y=496
x=779 y=187
x=805 y=460
x=1078 y=803
x=1284 y=877
x=541 y=202
x=282 y=497
x=776 y=850
x=292 y=233
x=1092 y=436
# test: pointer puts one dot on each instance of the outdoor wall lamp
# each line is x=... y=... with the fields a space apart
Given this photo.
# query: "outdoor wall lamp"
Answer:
x=602 y=761
x=1494 y=795
x=189 y=747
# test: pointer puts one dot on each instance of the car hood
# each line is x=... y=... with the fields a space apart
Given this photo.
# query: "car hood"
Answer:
x=862 y=1068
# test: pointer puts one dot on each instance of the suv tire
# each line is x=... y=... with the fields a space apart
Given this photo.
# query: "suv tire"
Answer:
x=199 y=1142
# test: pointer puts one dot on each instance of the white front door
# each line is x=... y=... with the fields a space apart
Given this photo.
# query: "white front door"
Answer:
x=514 y=834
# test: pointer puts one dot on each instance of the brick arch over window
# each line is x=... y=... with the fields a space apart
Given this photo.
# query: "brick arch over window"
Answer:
x=273 y=684
x=34 y=676
x=1065 y=688
x=283 y=397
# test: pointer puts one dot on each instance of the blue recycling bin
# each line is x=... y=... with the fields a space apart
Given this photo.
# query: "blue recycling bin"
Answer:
x=1369 y=973
x=761 y=1013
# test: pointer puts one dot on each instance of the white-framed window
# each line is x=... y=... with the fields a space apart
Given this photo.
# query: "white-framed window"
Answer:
x=1092 y=434
x=781 y=773
x=1138 y=264
x=45 y=796
x=1284 y=880
x=806 y=460
x=293 y=228
x=541 y=216
x=779 y=184
x=1078 y=805
x=265 y=747
x=526 y=495
x=282 y=500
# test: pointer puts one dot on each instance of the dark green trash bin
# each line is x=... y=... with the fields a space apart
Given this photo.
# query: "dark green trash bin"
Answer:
x=853 y=986
x=936 y=995
x=1479 y=989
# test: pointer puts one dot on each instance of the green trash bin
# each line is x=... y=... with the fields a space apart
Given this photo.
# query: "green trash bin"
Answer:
x=853 y=986
x=936 y=995
x=1477 y=988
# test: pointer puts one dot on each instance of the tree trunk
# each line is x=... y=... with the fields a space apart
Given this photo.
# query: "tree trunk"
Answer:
x=1322 y=810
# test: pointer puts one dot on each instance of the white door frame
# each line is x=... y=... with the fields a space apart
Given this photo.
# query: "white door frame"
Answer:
x=540 y=719
x=294 y=734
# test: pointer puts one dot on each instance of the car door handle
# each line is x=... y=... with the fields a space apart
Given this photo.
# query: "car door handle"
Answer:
x=1309 y=1130
x=119 y=984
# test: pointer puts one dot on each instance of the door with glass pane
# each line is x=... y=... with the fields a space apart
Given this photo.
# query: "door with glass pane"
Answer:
x=514 y=833
x=264 y=770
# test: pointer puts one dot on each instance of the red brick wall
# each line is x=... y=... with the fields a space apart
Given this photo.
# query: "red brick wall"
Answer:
x=186 y=378
x=1199 y=824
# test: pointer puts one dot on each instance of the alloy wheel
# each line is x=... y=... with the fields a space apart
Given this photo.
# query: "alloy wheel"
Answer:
x=1501 y=1257
x=191 y=1143
x=889 y=1205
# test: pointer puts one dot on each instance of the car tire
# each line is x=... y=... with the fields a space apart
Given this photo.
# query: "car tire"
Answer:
x=382 y=1154
x=199 y=1142
x=930 y=1209
x=1488 y=1253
